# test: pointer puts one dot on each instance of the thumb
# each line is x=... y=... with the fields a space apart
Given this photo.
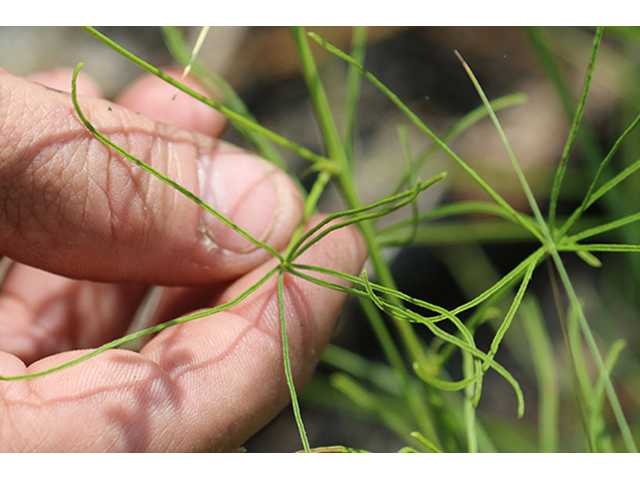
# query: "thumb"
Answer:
x=71 y=205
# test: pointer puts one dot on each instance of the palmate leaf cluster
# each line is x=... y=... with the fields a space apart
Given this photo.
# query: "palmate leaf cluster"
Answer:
x=412 y=394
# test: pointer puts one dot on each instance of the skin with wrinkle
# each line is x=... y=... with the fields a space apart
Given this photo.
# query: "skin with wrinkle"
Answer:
x=205 y=385
x=105 y=202
x=187 y=376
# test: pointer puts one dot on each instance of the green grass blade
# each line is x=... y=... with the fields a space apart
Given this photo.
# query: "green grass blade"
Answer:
x=136 y=335
x=455 y=233
x=598 y=420
x=613 y=182
x=584 y=387
x=577 y=118
x=318 y=160
x=180 y=51
x=595 y=352
x=414 y=118
x=187 y=193
x=513 y=309
x=585 y=135
x=372 y=403
x=411 y=179
x=354 y=81
x=287 y=364
x=326 y=122
x=601 y=247
x=470 y=401
x=545 y=368
x=462 y=125
x=546 y=237
x=591 y=197
x=600 y=229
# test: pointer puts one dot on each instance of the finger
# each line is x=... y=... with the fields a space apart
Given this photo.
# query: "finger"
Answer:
x=42 y=313
x=154 y=98
x=60 y=79
x=238 y=355
x=74 y=207
x=204 y=385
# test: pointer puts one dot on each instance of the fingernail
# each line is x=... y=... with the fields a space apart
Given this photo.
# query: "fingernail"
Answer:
x=241 y=188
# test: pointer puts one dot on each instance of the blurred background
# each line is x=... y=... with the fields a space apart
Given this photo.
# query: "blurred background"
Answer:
x=419 y=65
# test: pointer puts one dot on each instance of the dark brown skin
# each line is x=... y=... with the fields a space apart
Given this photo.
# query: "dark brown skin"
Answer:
x=73 y=214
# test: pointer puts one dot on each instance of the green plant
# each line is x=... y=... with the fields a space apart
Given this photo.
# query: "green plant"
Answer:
x=412 y=393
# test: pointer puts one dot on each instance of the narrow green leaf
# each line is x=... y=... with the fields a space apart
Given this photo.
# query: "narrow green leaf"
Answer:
x=600 y=229
x=425 y=442
x=320 y=161
x=187 y=193
x=562 y=167
x=155 y=329
x=462 y=125
x=414 y=118
x=354 y=80
x=287 y=364
x=179 y=50
x=513 y=309
x=545 y=367
x=590 y=196
x=370 y=402
x=323 y=111
x=357 y=215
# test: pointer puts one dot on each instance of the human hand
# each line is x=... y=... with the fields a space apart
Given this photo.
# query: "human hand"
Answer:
x=74 y=213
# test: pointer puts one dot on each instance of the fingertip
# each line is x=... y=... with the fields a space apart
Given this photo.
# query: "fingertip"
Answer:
x=76 y=212
x=153 y=98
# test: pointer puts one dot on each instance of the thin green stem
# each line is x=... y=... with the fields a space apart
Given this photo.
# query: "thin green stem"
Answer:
x=287 y=364
x=470 y=402
x=545 y=238
x=236 y=117
x=590 y=197
x=354 y=80
x=148 y=331
x=328 y=127
x=608 y=186
x=514 y=307
x=545 y=367
x=562 y=167
x=459 y=128
x=411 y=179
x=600 y=229
x=216 y=85
x=551 y=247
x=157 y=174
x=416 y=120
x=392 y=306
x=309 y=207
x=595 y=352
x=358 y=216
